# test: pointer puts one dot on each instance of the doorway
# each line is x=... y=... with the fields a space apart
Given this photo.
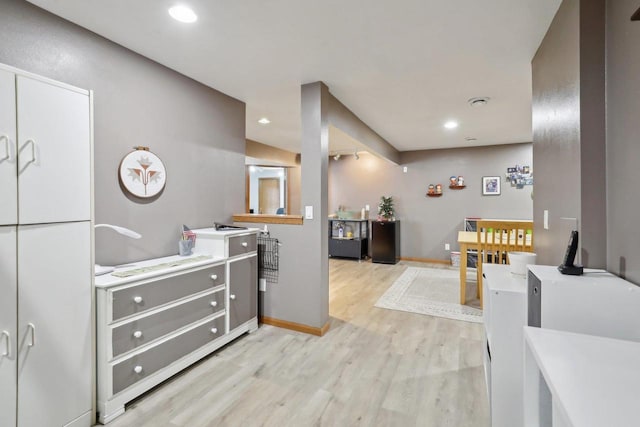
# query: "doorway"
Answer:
x=268 y=195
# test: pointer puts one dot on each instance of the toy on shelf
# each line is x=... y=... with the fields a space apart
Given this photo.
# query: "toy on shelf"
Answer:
x=456 y=183
x=434 y=190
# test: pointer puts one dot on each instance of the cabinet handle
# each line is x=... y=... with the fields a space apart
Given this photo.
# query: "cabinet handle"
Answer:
x=7 y=352
x=32 y=327
x=213 y=303
x=137 y=300
x=7 y=155
x=33 y=150
x=137 y=334
x=214 y=277
x=245 y=244
x=137 y=369
x=232 y=296
x=214 y=330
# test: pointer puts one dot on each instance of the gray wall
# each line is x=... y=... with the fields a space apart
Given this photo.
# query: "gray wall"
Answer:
x=428 y=223
x=568 y=133
x=345 y=120
x=623 y=149
x=198 y=132
x=290 y=298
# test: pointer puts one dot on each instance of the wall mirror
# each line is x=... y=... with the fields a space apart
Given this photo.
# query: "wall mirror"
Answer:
x=267 y=190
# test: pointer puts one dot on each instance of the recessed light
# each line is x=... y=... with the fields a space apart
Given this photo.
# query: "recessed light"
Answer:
x=451 y=124
x=264 y=121
x=183 y=14
x=479 y=101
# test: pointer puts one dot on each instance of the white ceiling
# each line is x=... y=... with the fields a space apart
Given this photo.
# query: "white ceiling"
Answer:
x=404 y=67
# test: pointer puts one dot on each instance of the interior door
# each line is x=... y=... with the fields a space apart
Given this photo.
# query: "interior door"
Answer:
x=8 y=327
x=8 y=171
x=54 y=142
x=54 y=323
x=269 y=195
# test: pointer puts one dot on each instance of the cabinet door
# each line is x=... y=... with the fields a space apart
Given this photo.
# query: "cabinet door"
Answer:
x=8 y=170
x=54 y=157
x=8 y=328
x=243 y=291
x=383 y=242
x=54 y=323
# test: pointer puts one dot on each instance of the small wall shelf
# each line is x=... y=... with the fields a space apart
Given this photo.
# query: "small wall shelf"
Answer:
x=434 y=194
x=457 y=187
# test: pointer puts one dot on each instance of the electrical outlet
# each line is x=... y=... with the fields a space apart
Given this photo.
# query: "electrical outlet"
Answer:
x=447 y=247
x=405 y=169
x=262 y=283
x=366 y=207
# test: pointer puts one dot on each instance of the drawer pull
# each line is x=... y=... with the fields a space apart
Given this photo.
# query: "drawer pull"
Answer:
x=214 y=330
x=137 y=334
x=137 y=369
x=137 y=300
x=213 y=303
x=232 y=296
x=214 y=277
x=245 y=244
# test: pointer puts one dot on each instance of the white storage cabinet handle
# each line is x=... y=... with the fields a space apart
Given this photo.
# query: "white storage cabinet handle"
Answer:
x=33 y=150
x=214 y=277
x=213 y=303
x=137 y=299
x=214 y=330
x=232 y=296
x=137 y=334
x=7 y=351
x=32 y=327
x=7 y=149
x=137 y=369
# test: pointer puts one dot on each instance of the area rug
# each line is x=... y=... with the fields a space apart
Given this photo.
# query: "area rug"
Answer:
x=430 y=291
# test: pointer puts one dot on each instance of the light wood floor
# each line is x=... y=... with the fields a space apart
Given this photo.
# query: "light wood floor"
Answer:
x=375 y=367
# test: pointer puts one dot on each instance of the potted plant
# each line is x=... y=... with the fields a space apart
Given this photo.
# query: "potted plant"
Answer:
x=385 y=209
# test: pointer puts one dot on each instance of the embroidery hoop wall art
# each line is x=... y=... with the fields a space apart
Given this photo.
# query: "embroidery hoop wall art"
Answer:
x=142 y=173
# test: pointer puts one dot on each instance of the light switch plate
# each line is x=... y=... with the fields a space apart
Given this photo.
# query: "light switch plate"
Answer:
x=308 y=212
x=262 y=285
x=545 y=220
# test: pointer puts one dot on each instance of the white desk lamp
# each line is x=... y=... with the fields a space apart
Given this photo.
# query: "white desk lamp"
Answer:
x=99 y=270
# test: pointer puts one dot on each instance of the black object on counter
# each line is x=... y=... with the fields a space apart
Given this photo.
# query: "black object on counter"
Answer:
x=385 y=242
x=223 y=227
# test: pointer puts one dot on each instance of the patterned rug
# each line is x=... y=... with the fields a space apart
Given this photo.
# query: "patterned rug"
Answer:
x=430 y=291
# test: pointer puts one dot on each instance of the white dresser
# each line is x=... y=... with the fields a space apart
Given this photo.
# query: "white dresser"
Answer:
x=153 y=324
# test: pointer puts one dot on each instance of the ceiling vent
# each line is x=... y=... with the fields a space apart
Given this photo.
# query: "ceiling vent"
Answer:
x=479 y=101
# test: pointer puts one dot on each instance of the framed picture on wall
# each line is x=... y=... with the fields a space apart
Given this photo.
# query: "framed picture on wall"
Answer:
x=490 y=185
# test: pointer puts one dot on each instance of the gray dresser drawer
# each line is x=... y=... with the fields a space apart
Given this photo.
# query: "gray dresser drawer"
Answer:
x=142 y=331
x=138 y=299
x=156 y=358
x=239 y=245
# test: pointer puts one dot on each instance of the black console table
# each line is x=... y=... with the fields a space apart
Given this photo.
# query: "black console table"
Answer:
x=352 y=241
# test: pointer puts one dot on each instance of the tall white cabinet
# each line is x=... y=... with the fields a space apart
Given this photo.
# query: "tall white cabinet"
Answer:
x=46 y=275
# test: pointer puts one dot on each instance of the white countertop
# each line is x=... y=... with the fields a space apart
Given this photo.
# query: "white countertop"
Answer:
x=109 y=280
x=501 y=279
x=222 y=233
x=595 y=381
